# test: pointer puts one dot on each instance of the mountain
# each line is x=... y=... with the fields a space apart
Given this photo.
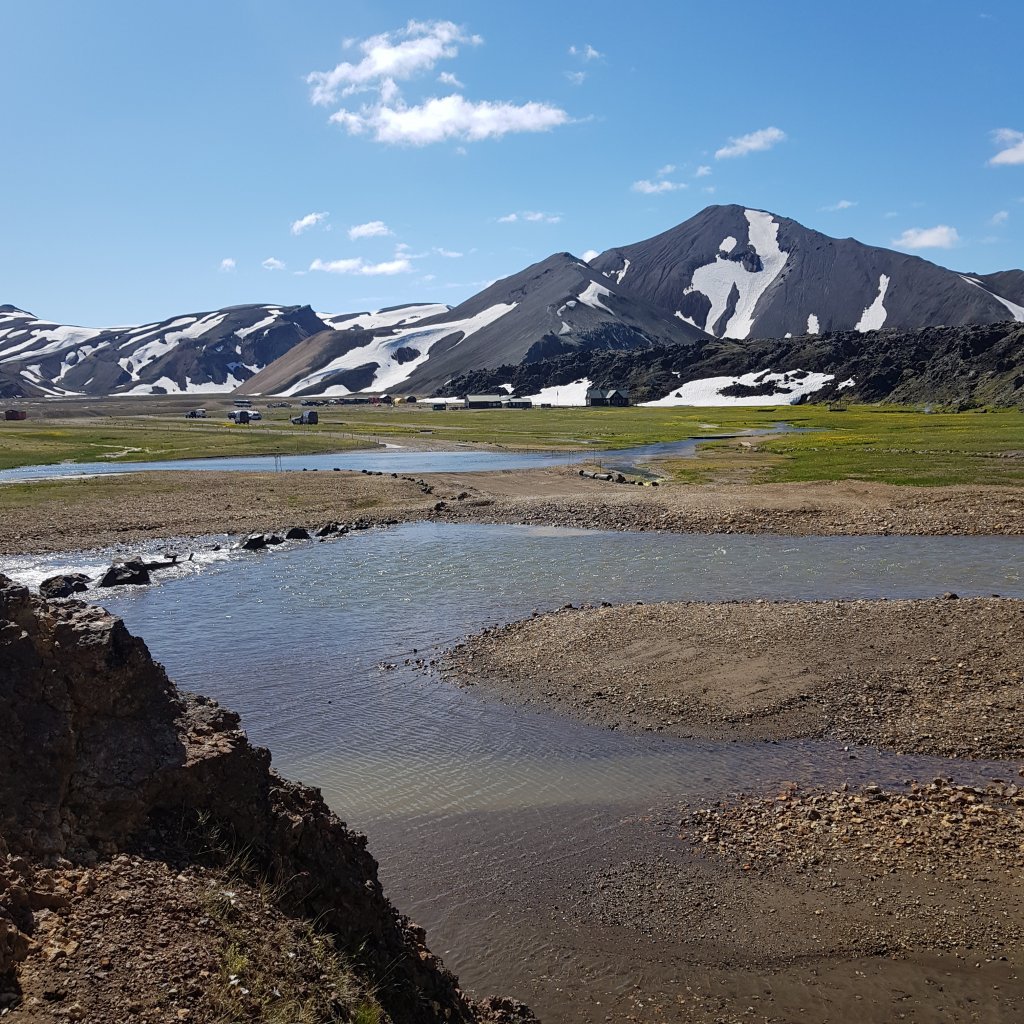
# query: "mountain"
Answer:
x=974 y=363
x=199 y=352
x=742 y=273
x=727 y=274
x=555 y=306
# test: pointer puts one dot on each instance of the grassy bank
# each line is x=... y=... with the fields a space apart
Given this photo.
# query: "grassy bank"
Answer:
x=882 y=444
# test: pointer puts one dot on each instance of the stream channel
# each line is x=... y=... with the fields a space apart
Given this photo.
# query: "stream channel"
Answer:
x=483 y=816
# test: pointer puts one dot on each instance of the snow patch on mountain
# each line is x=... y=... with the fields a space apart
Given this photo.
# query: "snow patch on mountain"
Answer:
x=384 y=351
x=789 y=388
x=1017 y=311
x=717 y=280
x=728 y=244
x=873 y=318
x=563 y=394
x=622 y=273
x=813 y=327
x=592 y=296
x=383 y=318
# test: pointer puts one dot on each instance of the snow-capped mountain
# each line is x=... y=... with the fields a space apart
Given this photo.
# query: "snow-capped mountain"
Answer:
x=741 y=273
x=555 y=306
x=730 y=274
x=195 y=353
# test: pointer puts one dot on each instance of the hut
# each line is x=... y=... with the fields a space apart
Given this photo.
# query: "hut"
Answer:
x=483 y=401
x=15 y=414
x=608 y=396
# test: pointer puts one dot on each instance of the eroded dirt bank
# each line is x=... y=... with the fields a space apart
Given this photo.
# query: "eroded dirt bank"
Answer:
x=97 y=512
x=939 y=676
x=153 y=866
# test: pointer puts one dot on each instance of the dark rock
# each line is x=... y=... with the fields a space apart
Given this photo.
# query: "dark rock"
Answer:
x=254 y=542
x=273 y=539
x=132 y=573
x=64 y=585
x=297 y=533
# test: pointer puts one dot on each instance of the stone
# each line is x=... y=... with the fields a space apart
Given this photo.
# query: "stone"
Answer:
x=297 y=533
x=132 y=573
x=64 y=585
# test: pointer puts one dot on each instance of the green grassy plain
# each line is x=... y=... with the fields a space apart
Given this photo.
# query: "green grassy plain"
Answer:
x=884 y=443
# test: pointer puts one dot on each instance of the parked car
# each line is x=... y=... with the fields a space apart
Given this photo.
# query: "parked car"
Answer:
x=255 y=414
x=310 y=418
x=196 y=414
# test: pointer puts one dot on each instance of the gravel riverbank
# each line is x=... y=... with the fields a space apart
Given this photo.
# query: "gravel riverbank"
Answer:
x=937 y=676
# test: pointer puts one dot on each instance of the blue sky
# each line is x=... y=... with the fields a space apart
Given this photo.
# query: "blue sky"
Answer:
x=168 y=157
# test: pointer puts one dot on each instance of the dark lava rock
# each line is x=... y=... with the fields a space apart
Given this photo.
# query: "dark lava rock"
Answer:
x=274 y=539
x=254 y=542
x=297 y=533
x=132 y=573
x=64 y=585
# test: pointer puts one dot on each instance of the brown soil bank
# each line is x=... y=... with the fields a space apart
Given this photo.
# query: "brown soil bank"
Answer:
x=937 y=676
x=62 y=515
x=153 y=867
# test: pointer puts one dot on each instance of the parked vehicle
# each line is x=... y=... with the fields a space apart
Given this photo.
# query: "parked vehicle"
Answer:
x=239 y=416
x=255 y=414
x=196 y=414
x=309 y=418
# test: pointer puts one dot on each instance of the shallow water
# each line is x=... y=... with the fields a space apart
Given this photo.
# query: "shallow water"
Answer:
x=466 y=799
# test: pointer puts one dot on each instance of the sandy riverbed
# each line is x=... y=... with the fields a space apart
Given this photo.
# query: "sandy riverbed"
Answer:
x=101 y=511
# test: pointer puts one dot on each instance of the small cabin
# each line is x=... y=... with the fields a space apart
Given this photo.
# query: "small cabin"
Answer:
x=517 y=403
x=15 y=414
x=483 y=401
x=608 y=396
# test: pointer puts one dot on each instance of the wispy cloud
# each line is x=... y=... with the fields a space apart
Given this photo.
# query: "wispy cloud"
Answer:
x=399 y=265
x=702 y=172
x=657 y=188
x=371 y=229
x=999 y=218
x=393 y=57
x=843 y=204
x=309 y=221
x=1013 y=143
x=227 y=265
x=590 y=254
x=534 y=216
x=576 y=77
x=667 y=169
x=754 y=142
x=942 y=236
x=585 y=52
x=449 y=254
x=272 y=263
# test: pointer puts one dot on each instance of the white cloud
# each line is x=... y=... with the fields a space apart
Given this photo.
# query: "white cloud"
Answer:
x=450 y=117
x=663 y=172
x=590 y=254
x=890 y=214
x=534 y=216
x=1014 y=143
x=655 y=188
x=576 y=77
x=391 y=57
x=227 y=265
x=447 y=78
x=843 y=204
x=399 y=265
x=448 y=253
x=371 y=229
x=942 y=236
x=307 y=222
x=702 y=172
x=394 y=57
x=754 y=142
x=270 y=263
x=586 y=52
x=999 y=218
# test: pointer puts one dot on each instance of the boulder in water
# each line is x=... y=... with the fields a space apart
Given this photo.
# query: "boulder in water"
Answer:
x=64 y=585
x=132 y=573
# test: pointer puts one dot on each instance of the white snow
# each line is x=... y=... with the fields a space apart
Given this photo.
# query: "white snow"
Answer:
x=688 y=320
x=873 y=317
x=381 y=350
x=191 y=388
x=1017 y=311
x=384 y=318
x=592 y=296
x=563 y=394
x=47 y=339
x=716 y=280
x=622 y=273
x=813 y=327
x=507 y=387
x=565 y=328
x=708 y=391
x=728 y=244
x=848 y=383
x=272 y=315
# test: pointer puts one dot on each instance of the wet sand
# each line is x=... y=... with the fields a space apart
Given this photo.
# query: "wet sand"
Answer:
x=939 y=676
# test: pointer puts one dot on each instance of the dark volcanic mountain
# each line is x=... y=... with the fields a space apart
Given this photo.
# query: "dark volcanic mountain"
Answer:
x=976 y=363
x=739 y=273
x=555 y=306
x=198 y=352
x=729 y=273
